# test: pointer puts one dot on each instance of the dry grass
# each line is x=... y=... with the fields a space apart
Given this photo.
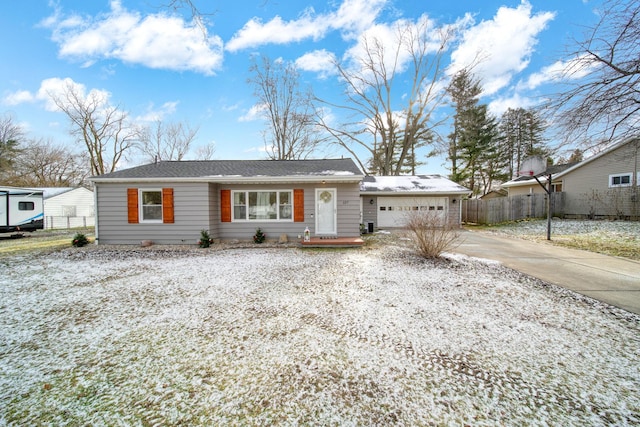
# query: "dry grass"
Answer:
x=40 y=240
x=616 y=238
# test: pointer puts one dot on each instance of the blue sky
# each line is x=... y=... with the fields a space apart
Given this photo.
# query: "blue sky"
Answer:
x=157 y=65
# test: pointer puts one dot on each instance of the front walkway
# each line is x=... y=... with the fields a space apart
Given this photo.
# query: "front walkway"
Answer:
x=609 y=279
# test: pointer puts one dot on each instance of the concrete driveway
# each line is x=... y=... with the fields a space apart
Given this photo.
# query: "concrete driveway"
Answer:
x=613 y=280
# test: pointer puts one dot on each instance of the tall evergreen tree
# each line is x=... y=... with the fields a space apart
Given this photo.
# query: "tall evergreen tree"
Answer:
x=464 y=91
x=481 y=161
x=522 y=133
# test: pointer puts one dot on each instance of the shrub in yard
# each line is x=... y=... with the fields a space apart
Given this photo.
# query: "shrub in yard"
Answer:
x=79 y=240
x=432 y=234
x=259 y=236
x=205 y=240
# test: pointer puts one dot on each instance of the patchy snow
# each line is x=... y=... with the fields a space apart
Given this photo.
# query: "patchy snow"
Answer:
x=411 y=184
x=538 y=227
x=261 y=336
x=336 y=173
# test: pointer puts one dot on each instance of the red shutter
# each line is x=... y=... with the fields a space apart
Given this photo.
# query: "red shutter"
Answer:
x=225 y=205
x=167 y=206
x=298 y=205
x=132 y=205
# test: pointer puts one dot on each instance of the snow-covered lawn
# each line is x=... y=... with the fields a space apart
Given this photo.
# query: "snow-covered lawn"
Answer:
x=261 y=336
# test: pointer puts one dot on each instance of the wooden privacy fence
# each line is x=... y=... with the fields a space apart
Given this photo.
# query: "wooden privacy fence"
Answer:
x=513 y=208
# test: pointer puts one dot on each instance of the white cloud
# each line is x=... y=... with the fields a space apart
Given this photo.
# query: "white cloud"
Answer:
x=254 y=113
x=156 y=41
x=18 y=97
x=501 y=47
x=57 y=88
x=352 y=17
x=500 y=105
x=158 y=114
x=573 y=69
x=318 y=61
x=355 y=16
x=390 y=45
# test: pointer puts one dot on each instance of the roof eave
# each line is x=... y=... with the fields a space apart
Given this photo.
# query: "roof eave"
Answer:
x=237 y=179
x=415 y=193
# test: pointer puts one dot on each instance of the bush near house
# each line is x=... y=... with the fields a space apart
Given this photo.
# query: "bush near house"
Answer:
x=433 y=234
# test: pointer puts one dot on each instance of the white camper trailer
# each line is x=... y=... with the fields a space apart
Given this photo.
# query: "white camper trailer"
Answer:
x=21 y=209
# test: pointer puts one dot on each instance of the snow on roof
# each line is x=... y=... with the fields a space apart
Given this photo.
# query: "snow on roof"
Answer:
x=54 y=191
x=411 y=184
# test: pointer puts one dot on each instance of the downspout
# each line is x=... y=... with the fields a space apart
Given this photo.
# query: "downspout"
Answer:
x=95 y=212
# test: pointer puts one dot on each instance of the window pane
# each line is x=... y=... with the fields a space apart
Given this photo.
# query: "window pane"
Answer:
x=26 y=206
x=615 y=180
x=626 y=179
x=151 y=198
x=151 y=205
x=285 y=198
x=239 y=212
x=239 y=205
x=151 y=212
x=285 y=205
x=262 y=205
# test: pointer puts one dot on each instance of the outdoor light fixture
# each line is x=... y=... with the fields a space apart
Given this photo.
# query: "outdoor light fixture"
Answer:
x=453 y=201
x=371 y=201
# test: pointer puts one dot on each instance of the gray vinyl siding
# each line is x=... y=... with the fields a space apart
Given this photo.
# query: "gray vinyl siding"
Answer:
x=191 y=213
x=348 y=209
x=348 y=213
x=370 y=210
x=587 y=188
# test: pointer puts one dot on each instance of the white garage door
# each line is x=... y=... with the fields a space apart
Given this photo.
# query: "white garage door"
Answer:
x=393 y=211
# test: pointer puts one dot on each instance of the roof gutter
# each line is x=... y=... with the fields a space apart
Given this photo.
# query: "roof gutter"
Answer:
x=237 y=179
x=415 y=193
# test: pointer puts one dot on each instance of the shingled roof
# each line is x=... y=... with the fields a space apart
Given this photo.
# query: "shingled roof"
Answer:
x=240 y=170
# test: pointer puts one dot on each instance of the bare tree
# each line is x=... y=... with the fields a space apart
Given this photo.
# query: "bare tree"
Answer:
x=288 y=111
x=104 y=129
x=603 y=100
x=206 y=152
x=169 y=141
x=10 y=136
x=387 y=121
x=45 y=164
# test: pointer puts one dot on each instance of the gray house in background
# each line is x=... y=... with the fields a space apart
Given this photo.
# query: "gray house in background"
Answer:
x=605 y=185
x=387 y=200
x=171 y=202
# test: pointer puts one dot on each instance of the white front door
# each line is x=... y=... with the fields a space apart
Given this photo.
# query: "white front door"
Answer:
x=326 y=213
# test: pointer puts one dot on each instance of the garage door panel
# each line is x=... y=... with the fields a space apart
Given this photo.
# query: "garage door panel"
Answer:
x=393 y=211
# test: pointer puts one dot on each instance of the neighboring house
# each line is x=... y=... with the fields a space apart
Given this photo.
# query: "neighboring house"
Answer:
x=387 y=200
x=171 y=202
x=494 y=194
x=602 y=186
x=67 y=207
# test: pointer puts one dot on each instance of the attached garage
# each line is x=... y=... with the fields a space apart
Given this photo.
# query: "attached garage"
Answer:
x=393 y=211
x=387 y=201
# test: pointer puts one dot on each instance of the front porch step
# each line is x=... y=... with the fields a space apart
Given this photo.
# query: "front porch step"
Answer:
x=337 y=242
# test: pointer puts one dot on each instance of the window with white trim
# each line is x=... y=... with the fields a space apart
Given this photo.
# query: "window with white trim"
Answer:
x=620 y=180
x=263 y=205
x=151 y=205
